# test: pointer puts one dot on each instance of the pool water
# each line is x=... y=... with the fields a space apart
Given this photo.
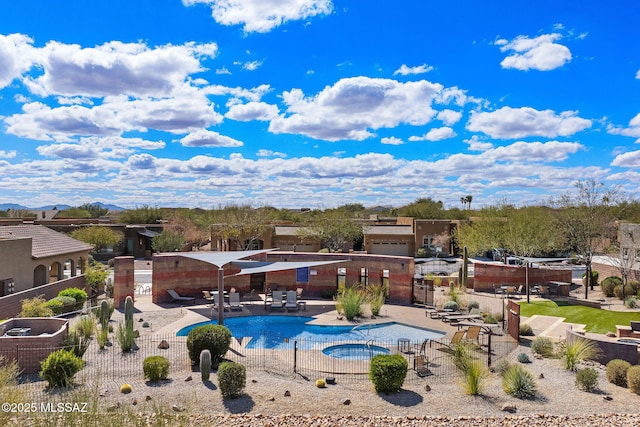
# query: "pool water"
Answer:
x=279 y=332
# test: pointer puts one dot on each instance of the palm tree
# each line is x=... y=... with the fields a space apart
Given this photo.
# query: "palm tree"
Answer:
x=463 y=200
x=468 y=199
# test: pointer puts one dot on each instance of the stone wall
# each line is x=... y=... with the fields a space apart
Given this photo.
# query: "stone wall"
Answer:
x=609 y=349
x=10 y=305
x=47 y=335
x=487 y=275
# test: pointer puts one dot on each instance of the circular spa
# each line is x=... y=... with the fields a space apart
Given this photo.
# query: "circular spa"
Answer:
x=279 y=332
x=354 y=351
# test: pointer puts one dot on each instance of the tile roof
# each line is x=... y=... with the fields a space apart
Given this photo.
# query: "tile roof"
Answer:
x=45 y=241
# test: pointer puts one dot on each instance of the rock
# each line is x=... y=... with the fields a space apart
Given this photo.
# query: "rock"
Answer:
x=287 y=393
x=177 y=408
x=254 y=381
x=346 y=401
x=541 y=376
x=611 y=334
x=271 y=399
x=136 y=333
x=427 y=387
x=608 y=398
x=113 y=408
x=134 y=402
x=163 y=345
x=104 y=392
x=508 y=408
x=147 y=398
x=189 y=378
x=141 y=320
x=537 y=356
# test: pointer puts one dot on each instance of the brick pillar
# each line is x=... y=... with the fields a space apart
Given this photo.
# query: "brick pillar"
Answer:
x=123 y=279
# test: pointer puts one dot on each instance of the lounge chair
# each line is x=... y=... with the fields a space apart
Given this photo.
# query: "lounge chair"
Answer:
x=276 y=299
x=473 y=335
x=299 y=293
x=455 y=339
x=208 y=297
x=215 y=294
x=178 y=298
x=250 y=296
x=421 y=365
x=234 y=301
x=292 y=301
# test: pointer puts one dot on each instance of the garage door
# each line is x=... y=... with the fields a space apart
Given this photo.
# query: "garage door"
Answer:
x=390 y=248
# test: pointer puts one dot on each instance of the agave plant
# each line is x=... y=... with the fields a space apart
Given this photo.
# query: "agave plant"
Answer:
x=578 y=350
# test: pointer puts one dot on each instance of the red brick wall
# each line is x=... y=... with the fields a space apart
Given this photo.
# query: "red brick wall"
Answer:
x=11 y=305
x=487 y=275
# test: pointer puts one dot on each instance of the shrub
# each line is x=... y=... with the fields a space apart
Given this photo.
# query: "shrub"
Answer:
x=463 y=356
x=518 y=382
x=321 y=383
x=56 y=305
x=125 y=337
x=205 y=365
x=35 y=307
x=327 y=293
x=375 y=296
x=59 y=368
x=387 y=372
x=542 y=346
x=232 y=377
x=103 y=337
x=618 y=291
x=473 y=305
x=490 y=319
x=215 y=338
x=587 y=379
x=576 y=351
x=634 y=286
x=451 y=305
x=350 y=302
x=633 y=379
x=86 y=326
x=475 y=377
x=594 y=277
x=609 y=284
x=630 y=302
x=525 y=330
x=502 y=366
x=76 y=342
x=155 y=368
x=474 y=311
x=9 y=393
x=524 y=358
x=617 y=372
x=79 y=295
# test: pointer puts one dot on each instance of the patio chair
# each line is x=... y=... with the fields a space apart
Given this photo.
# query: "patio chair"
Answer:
x=292 y=301
x=299 y=293
x=455 y=339
x=473 y=335
x=214 y=295
x=421 y=365
x=497 y=290
x=179 y=298
x=249 y=296
x=208 y=297
x=276 y=299
x=234 y=301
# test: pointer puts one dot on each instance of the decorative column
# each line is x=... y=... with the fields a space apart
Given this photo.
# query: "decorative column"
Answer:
x=123 y=280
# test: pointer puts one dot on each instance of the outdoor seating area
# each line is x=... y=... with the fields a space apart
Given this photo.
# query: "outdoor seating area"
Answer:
x=177 y=298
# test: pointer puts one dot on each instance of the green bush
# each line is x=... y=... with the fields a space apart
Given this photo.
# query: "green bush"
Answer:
x=542 y=346
x=617 y=372
x=633 y=379
x=490 y=319
x=501 y=366
x=56 y=306
x=524 y=358
x=525 y=330
x=475 y=377
x=232 y=377
x=473 y=305
x=634 y=286
x=375 y=295
x=327 y=293
x=387 y=372
x=35 y=307
x=451 y=305
x=594 y=277
x=76 y=342
x=59 y=368
x=103 y=337
x=462 y=355
x=155 y=368
x=578 y=350
x=518 y=382
x=86 y=326
x=350 y=301
x=125 y=337
x=609 y=284
x=631 y=302
x=214 y=338
x=587 y=379
x=619 y=291
x=79 y=295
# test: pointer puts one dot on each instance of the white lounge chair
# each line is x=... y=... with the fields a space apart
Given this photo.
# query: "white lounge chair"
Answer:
x=234 y=301
x=179 y=298
x=292 y=300
x=276 y=297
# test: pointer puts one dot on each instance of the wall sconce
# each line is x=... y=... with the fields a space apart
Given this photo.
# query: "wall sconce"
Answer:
x=177 y=263
x=402 y=266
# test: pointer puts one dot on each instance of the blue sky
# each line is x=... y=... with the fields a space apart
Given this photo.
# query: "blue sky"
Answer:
x=315 y=103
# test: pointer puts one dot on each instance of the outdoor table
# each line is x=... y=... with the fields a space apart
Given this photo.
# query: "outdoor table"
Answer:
x=404 y=345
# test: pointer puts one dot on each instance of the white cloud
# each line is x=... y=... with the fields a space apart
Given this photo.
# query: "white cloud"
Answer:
x=630 y=159
x=8 y=154
x=252 y=111
x=539 y=53
x=207 y=138
x=510 y=123
x=435 y=134
x=449 y=117
x=16 y=57
x=263 y=15
x=269 y=153
x=476 y=145
x=638 y=74
x=392 y=141
x=116 y=68
x=533 y=152
x=354 y=106
x=633 y=130
x=223 y=70
x=420 y=69
x=251 y=65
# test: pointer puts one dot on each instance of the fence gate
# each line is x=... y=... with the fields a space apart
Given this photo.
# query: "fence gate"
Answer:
x=513 y=320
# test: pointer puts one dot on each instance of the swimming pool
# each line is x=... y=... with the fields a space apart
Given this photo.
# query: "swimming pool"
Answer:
x=279 y=332
x=354 y=351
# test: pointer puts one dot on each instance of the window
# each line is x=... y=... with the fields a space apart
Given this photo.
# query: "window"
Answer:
x=342 y=278
x=427 y=240
x=364 y=276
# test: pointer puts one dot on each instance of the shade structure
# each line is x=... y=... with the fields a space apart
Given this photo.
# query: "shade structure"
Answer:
x=220 y=259
x=251 y=267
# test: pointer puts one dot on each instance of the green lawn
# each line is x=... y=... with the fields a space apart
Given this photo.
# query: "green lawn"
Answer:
x=597 y=321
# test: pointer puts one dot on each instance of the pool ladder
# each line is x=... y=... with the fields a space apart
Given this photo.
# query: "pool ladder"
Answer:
x=369 y=344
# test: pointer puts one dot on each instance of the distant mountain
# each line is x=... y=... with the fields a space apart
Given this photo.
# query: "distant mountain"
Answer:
x=15 y=206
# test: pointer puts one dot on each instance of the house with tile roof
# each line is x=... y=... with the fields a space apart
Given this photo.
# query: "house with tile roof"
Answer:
x=34 y=255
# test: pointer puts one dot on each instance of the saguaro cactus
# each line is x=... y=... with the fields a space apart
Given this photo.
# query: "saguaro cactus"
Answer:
x=128 y=312
x=205 y=364
x=104 y=314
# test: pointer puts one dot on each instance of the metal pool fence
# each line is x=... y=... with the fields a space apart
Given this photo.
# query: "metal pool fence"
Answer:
x=292 y=358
